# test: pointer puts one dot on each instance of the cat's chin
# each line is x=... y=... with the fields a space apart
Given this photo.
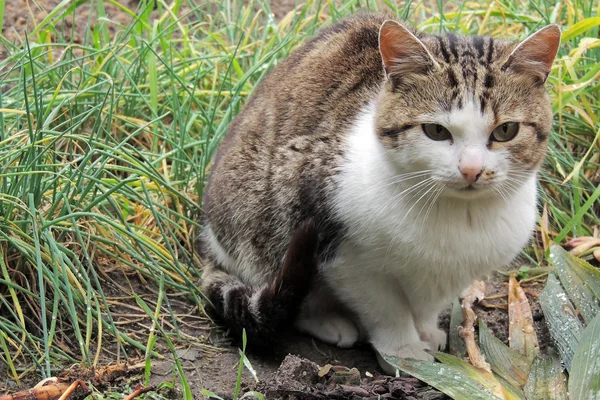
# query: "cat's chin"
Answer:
x=470 y=192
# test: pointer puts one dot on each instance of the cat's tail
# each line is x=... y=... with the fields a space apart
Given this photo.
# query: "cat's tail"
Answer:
x=266 y=311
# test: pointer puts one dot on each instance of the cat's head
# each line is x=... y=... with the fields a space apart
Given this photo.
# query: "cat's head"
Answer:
x=472 y=111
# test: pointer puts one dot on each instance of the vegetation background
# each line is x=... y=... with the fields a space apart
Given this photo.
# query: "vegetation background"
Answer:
x=110 y=113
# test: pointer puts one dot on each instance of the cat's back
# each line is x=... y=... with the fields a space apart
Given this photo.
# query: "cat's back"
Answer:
x=325 y=81
x=276 y=163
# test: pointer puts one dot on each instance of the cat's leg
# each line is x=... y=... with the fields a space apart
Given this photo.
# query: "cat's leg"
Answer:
x=426 y=307
x=429 y=332
x=383 y=311
x=324 y=318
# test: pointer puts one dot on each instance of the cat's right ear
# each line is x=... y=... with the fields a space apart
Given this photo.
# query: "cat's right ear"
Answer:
x=402 y=52
x=535 y=55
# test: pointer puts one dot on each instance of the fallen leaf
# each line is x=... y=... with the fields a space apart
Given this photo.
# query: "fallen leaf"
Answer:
x=324 y=371
x=521 y=333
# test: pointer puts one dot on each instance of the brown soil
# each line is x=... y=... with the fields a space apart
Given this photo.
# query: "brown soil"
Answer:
x=291 y=371
x=21 y=16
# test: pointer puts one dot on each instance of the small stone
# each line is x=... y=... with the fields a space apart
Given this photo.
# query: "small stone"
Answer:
x=380 y=389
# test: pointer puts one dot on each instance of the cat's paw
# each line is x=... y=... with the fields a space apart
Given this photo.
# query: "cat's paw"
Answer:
x=330 y=328
x=416 y=351
x=435 y=337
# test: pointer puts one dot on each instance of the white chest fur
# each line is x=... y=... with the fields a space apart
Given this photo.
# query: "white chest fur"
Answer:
x=436 y=247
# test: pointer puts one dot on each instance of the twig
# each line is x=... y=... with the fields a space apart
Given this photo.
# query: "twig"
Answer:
x=140 y=390
x=72 y=388
x=475 y=292
x=487 y=304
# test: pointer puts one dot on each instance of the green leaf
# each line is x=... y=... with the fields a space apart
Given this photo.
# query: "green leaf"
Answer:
x=546 y=380
x=579 y=28
x=448 y=380
x=482 y=376
x=210 y=394
x=580 y=280
x=563 y=324
x=253 y=395
x=506 y=362
x=510 y=390
x=584 y=377
x=456 y=343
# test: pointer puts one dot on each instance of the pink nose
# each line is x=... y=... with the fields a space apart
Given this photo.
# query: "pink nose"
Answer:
x=471 y=173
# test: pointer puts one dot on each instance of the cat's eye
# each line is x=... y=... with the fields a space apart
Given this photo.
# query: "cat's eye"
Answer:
x=436 y=132
x=505 y=132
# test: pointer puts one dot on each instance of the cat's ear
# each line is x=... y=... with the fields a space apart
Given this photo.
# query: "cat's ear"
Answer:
x=402 y=52
x=534 y=56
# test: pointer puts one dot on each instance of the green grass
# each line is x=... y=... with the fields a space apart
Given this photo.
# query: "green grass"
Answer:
x=105 y=144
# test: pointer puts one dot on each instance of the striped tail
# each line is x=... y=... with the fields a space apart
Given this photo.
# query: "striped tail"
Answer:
x=266 y=311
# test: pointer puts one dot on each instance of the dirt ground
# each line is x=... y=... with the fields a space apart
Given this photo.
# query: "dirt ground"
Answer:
x=291 y=371
x=22 y=16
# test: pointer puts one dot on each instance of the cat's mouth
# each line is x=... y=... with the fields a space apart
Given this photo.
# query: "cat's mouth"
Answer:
x=465 y=191
x=469 y=192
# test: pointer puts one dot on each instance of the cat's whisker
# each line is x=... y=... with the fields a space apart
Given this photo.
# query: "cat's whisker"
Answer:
x=433 y=186
x=508 y=189
x=396 y=180
x=500 y=191
x=433 y=202
x=495 y=189
x=429 y=198
x=394 y=199
x=511 y=187
x=425 y=171
x=426 y=190
x=517 y=183
x=559 y=182
x=516 y=173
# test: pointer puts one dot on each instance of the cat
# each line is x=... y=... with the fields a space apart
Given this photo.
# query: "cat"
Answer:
x=370 y=178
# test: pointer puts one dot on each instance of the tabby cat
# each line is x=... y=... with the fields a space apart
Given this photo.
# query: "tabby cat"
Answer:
x=371 y=177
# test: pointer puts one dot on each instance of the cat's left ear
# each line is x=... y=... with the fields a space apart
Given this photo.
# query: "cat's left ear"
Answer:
x=534 y=56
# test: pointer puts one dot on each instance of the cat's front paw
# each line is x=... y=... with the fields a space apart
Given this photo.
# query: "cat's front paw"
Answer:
x=435 y=337
x=416 y=351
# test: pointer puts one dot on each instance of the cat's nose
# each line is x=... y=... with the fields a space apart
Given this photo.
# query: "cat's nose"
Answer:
x=471 y=173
